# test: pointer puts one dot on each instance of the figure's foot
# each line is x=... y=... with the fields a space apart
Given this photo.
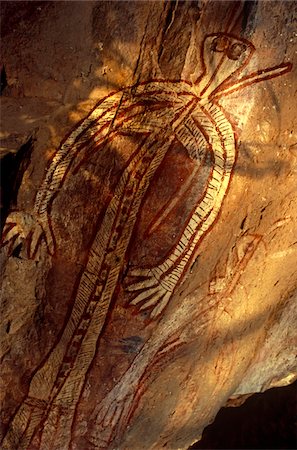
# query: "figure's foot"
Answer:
x=55 y=432
x=21 y=227
x=112 y=415
x=24 y=424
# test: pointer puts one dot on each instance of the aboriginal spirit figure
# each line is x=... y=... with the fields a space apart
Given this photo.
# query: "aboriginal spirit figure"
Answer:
x=159 y=113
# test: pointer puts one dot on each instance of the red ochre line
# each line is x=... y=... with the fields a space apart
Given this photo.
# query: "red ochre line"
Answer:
x=85 y=144
x=242 y=264
x=153 y=143
x=144 y=137
x=152 y=227
x=37 y=434
x=85 y=130
x=225 y=85
x=69 y=346
x=131 y=176
x=214 y=73
x=182 y=232
x=170 y=94
x=141 y=388
x=124 y=90
x=10 y=244
x=160 y=360
x=191 y=105
x=91 y=125
x=68 y=315
x=186 y=249
x=27 y=426
x=90 y=141
x=158 y=216
x=97 y=145
x=62 y=376
x=167 y=255
x=140 y=179
x=143 y=379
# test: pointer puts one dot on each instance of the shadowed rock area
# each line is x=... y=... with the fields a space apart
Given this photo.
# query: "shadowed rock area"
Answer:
x=266 y=421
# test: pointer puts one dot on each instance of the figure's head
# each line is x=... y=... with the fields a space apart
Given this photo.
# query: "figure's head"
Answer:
x=223 y=56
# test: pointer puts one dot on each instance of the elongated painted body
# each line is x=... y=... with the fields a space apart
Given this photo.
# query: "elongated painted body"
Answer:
x=158 y=113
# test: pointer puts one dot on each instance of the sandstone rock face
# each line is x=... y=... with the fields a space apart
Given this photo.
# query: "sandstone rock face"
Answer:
x=149 y=258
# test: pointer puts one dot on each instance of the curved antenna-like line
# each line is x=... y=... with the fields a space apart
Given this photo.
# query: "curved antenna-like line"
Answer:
x=256 y=77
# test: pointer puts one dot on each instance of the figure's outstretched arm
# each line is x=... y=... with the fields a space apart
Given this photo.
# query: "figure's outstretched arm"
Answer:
x=153 y=287
x=35 y=227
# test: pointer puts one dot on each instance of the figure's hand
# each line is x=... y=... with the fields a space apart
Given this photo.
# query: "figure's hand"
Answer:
x=150 y=291
x=21 y=227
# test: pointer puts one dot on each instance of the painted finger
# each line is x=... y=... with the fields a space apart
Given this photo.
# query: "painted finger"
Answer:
x=161 y=306
x=141 y=285
x=143 y=295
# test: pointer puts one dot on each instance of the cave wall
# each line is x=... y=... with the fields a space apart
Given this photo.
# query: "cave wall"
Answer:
x=145 y=284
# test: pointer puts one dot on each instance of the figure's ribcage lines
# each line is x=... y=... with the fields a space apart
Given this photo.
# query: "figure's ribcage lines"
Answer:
x=163 y=91
x=225 y=129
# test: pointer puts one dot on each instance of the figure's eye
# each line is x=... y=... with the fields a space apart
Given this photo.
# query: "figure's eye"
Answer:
x=220 y=44
x=236 y=50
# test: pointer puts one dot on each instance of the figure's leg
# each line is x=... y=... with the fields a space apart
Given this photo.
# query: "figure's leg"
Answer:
x=74 y=382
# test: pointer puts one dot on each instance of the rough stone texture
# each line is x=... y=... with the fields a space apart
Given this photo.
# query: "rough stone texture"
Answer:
x=228 y=330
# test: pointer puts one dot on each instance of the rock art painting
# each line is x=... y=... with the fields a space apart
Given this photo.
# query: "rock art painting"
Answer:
x=159 y=116
x=116 y=409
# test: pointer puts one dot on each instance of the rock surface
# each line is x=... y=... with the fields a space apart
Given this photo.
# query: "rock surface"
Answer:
x=149 y=266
